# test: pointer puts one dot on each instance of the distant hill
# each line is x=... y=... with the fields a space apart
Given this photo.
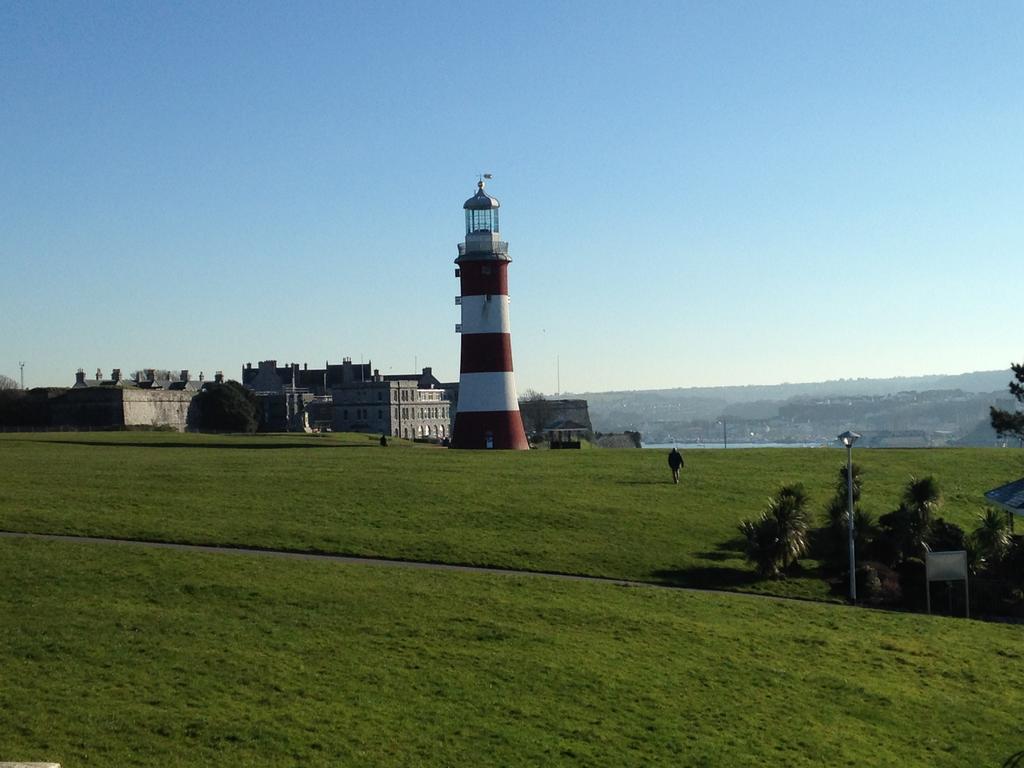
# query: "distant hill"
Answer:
x=944 y=408
x=977 y=381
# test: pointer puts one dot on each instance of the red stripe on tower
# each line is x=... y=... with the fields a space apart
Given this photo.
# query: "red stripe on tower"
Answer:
x=487 y=414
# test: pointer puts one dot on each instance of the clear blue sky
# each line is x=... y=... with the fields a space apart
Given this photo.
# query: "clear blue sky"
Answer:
x=693 y=193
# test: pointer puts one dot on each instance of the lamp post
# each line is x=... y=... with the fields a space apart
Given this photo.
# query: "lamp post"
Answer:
x=725 y=441
x=848 y=439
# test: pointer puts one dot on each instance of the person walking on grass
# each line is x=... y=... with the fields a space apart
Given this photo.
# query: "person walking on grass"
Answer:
x=675 y=463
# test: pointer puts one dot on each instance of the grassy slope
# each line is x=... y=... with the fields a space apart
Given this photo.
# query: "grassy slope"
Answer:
x=609 y=513
x=123 y=656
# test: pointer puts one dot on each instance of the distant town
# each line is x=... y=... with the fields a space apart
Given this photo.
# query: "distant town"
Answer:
x=898 y=412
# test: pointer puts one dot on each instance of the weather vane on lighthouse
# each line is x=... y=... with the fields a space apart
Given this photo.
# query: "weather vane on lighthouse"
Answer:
x=488 y=409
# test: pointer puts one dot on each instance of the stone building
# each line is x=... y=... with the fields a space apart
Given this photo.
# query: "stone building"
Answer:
x=540 y=414
x=351 y=397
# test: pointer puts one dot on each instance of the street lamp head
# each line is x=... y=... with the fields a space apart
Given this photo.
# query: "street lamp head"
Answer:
x=849 y=438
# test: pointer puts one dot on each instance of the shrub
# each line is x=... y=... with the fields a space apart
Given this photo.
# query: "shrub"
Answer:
x=778 y=538
x=227 y=407
x=877 y=584
x=944 y=536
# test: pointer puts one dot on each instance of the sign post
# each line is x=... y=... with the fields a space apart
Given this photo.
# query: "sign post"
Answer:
x=946 y=566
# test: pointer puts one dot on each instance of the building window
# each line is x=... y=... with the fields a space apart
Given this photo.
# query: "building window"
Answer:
x=380 y=415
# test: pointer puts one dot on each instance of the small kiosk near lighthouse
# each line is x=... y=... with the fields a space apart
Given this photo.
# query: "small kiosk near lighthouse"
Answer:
x=488 y=411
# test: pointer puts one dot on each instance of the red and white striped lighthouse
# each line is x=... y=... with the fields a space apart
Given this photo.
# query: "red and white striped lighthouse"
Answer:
x=488 y=409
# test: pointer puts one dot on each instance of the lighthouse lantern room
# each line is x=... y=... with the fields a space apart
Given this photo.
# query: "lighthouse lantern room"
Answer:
x=488 y=409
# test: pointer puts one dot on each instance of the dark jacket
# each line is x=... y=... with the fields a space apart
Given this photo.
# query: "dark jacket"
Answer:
x=675 y=459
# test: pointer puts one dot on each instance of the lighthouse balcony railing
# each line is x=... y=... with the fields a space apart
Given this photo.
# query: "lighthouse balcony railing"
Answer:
x=498 y=247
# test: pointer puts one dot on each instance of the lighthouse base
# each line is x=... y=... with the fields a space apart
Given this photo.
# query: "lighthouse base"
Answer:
x=501 y=430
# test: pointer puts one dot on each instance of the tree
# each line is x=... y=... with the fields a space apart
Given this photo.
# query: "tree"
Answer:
x=923 y=497
x=227 y=407
x=778 y=538
x=992 y=536
x=857 y=472
x=837 y=510
x=836 y=536
x=1011 y=422
x=906 y=531
x=11 y=400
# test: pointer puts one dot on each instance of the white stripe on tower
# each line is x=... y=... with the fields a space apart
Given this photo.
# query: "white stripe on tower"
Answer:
x=485 y=314
x=487 y=392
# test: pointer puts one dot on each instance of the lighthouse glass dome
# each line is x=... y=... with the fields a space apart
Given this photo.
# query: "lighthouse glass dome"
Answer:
x=482 y=220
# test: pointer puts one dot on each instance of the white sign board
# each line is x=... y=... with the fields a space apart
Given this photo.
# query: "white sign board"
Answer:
x=946 y=566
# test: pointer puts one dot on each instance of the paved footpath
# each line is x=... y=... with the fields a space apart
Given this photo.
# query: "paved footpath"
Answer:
x=379 y=561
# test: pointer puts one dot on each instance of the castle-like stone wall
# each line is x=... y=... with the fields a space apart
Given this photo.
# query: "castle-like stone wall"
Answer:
x=117 y=407
x=155 y=408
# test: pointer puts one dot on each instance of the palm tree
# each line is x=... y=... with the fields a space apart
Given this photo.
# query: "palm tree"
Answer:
x=777 y=539
x=922 y=497
x=762 y=548
x=837 y=514
x=857 y=482
x=907 y=528
x=789 y=508
x=992 y=536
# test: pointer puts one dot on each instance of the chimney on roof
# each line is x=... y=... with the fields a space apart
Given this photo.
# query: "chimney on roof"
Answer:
x=150 y=374
x=115 y=375
x=184 y=374
x=218 y=377
x=80 y=377
x=99 y=375
x=201 y=377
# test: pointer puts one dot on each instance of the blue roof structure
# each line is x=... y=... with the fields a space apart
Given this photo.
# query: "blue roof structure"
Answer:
x=1010 y=496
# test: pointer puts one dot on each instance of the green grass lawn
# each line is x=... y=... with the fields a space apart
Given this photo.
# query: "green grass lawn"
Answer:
x=117 y=656
x=600 y=512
